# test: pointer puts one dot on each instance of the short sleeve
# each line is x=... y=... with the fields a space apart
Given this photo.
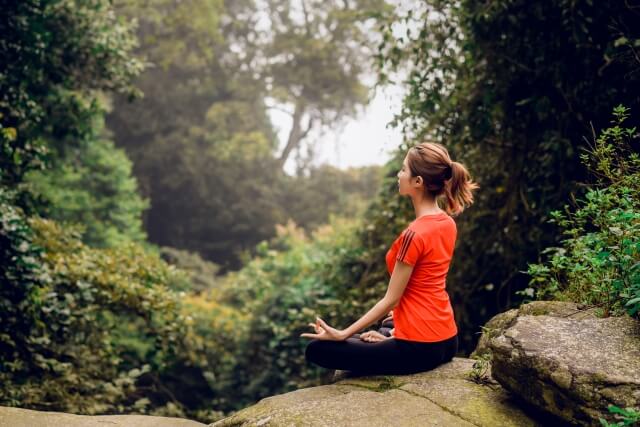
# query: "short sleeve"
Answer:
x=411 y=247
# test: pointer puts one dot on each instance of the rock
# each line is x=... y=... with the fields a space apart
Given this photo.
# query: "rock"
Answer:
x=442 y=397
x=17 y=417
x=571 y=368
x=497 y=325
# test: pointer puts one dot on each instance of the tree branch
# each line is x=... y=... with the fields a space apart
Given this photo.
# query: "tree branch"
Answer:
x=309 y=127
x=295 y=135
x=275 y=107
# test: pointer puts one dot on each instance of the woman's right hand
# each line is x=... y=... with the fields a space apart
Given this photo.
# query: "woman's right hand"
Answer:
x=373 y=336
x=324 y=332
x=389 y=317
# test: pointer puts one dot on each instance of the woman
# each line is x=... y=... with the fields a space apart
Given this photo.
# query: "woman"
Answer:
x=425 y=334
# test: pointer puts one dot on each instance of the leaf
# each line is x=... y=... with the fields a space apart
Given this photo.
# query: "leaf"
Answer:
x=632 y=301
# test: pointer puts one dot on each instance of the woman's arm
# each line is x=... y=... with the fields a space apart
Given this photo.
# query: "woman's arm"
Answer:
x=397 y=284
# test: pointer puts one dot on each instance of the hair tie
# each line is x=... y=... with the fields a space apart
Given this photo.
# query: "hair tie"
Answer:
x=448 y=172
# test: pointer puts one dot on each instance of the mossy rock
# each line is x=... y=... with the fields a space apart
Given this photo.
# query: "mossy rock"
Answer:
x=500 y=322
x=442 y=397
x=568 y=367
x=17 y=417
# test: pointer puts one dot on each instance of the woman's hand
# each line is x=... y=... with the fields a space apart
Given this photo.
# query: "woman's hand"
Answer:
x=324 y=332
x=389 y=317
x=373 y=336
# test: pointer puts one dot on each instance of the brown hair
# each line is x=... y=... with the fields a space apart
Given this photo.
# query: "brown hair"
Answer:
x=442 y=177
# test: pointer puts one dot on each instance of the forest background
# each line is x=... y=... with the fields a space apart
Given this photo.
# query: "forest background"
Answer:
x=157 y=259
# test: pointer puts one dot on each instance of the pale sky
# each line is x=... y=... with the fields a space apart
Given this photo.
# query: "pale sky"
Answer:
x=365 y=140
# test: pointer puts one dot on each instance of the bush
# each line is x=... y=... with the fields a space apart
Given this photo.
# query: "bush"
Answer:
x=291 y=280
x=598 y=263
x=90 y=183
x=63 y=311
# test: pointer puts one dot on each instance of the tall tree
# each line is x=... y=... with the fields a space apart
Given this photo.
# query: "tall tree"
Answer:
x=314 y=57
x=200 y=129
x=201 y=141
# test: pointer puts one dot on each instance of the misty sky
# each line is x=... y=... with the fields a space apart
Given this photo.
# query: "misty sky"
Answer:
x=363 y=141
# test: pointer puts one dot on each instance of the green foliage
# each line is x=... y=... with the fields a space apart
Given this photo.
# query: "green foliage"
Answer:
x=311 y=198
x=202 y=274
x=220 y=145
x=628 y=416
x=92 y=186
x=289 y=282
x=82 y=329
x=598 y=262
x=59 y=310
x=54 y=54
x=480 y=370
x=95 y=331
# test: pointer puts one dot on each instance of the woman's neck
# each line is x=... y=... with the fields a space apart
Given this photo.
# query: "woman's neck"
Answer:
x=425 y=205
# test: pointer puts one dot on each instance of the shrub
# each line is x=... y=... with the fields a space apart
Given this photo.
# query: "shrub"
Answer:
x=598 y=262
x=63 y=307
x=291 y=280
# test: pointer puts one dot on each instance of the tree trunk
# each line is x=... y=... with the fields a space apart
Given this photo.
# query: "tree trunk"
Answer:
x=295 y=135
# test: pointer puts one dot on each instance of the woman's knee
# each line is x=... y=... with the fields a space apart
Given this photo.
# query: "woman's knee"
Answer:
x=312 y=351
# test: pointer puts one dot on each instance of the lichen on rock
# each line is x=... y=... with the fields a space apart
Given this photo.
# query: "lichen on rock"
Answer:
x=442 y=397
x=571 y=368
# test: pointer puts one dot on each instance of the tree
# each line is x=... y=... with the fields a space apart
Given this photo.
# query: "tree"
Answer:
x=55 y=55
x=91 y=184
x=201 y=141
x=314 y=59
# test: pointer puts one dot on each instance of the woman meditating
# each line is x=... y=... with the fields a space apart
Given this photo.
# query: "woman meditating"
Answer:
x=425 y=334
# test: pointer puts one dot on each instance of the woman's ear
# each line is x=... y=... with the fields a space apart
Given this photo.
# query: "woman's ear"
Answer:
x=419 y=181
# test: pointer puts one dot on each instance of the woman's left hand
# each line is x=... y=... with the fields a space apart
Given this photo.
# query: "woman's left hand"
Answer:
x=373 y=336
x=324 y=332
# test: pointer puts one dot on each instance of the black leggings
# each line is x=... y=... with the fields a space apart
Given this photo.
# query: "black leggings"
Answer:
x=389 y=357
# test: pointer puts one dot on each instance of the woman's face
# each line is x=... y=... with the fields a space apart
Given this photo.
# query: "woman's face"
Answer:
x=405 y=181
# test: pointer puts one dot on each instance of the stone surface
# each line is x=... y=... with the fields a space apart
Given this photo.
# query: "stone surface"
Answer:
x=571 y=368
x=497 y=324
x=442 y=397
x=16 y=417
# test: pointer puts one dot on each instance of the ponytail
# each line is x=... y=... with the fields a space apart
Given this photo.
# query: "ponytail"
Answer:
x=443 y=178
x=459 y=189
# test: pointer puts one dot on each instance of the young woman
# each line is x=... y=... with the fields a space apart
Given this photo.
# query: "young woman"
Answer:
x=425 y=334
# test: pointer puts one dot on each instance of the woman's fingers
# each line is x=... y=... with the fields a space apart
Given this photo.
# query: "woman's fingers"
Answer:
x=322 y=324
x=323 y=331
x=316 y=327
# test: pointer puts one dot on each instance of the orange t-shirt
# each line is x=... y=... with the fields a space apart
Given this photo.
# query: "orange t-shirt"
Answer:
x=424 y=312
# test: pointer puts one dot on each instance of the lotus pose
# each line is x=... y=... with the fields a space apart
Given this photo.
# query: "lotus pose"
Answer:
x=425 y=334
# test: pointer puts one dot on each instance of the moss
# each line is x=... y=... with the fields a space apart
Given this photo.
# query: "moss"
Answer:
x=486 y=415
x=377 y=384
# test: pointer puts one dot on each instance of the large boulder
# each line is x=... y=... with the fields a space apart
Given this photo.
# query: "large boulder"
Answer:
x=442 y=397
x=568 y=367
x=16 y=417
x=502 y=321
